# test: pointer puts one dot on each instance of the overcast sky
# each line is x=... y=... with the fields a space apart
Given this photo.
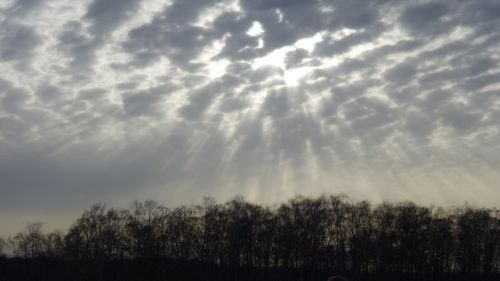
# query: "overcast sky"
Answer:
x=115 y=100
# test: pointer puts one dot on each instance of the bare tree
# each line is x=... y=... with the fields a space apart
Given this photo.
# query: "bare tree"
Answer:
x=97 y=234
x=182 y=233
x=145 y=226
x=30 y=242
x=54 y=244
x=3 y=245
x=300 y=239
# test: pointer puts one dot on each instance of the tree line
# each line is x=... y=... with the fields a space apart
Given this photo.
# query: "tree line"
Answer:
x=294 y=240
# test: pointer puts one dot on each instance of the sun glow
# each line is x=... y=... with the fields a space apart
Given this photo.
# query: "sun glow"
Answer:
x=291 y=75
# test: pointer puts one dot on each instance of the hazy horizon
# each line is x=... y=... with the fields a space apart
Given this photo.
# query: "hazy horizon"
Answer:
x=116 y=100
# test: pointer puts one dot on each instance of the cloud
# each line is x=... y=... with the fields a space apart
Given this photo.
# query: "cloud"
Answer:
x=105 y=15
x=23 y=7
x=19 y=44
x=424 y=17
x=460 y=119
x=143 y=102
x=117 y=100
x=81 y=39
x=171 y=34
x=401 y=73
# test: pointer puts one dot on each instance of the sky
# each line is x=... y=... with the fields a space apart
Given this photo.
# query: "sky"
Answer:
x=116 y=100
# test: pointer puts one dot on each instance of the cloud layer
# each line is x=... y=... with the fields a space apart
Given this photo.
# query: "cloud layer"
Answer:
x=115 y=100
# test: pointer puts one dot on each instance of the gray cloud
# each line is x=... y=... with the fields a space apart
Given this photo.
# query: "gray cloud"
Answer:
x=143 y=102
x=171 y=34
x=330 y=46
x=23 y=7
x=116 y=100
x=19 y=44
x=424 y=17
x=401 y=73
x=80 y=42
x=459 y=119
x=105 y=15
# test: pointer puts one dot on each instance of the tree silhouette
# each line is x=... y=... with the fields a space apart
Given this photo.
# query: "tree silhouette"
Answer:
x=30 y=242
x=3 y=245
x=301 y=239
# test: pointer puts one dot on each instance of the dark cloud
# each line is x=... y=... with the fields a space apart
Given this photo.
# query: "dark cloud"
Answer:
x=353 y=14
x=481 y=13
x=276 y=104
x=418 y=124
x=460 y=119
x=331 y=46
x=92 y=94
x=105 y=15
x=238 y=44
x=13 y=130
x=275 y=4
x=14 y=99
x=401 y=73
x=200 y=100
x=79 y=46
x=476 y=66
x=81 y=42
x=368 y=113
x=19 y=43
x=172 y=34
x=144 y=102
x=480 y=82
x=49 y=93
x=425 y=17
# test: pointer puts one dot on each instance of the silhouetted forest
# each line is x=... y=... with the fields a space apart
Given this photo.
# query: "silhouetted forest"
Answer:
x=302 y=239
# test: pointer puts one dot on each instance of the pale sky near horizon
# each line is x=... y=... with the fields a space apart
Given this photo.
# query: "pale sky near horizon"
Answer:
x=116 y=100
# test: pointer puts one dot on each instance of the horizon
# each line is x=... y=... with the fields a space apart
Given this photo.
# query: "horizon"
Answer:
x=68 y=219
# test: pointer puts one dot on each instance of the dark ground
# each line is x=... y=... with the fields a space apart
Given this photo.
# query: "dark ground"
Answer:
x=44 y=269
